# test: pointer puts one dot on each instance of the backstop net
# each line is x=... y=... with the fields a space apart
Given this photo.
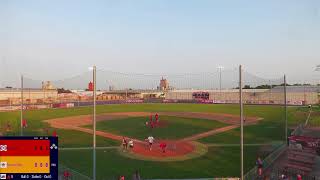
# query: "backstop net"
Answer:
x=196 y=135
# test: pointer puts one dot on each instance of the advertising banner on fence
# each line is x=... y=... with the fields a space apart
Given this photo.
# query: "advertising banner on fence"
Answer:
x=134 y=101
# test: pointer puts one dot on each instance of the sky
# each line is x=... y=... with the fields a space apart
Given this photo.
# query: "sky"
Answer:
x=51 y=40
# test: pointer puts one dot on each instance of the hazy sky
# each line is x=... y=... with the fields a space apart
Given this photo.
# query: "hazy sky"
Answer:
x=57 y=39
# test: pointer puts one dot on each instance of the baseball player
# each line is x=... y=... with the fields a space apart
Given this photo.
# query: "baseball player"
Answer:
x=124 y=143
x=163 y=147
x=54 y=134
x=151 y=121
x=24 y=123
x=157 y=118
x=130 y=144
x=150 y=140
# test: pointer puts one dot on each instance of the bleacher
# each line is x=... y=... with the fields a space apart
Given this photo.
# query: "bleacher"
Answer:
x=301 y=160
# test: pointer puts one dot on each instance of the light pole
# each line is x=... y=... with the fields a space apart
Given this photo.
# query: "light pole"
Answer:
x=317 y=69
x=220 y=77
x=241 y=120
x=94 y=120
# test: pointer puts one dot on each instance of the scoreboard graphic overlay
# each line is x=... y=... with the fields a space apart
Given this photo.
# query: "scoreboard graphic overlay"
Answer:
x=28 y=157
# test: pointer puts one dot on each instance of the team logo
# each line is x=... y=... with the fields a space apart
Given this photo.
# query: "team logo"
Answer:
x=3 y=176
x=54 y=146
x=3 y=147
x=3 y=165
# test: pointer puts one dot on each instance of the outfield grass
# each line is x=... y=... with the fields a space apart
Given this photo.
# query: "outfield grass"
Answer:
x=176 y=128
x=218 y=162
x=270 y=129
x=259 y=133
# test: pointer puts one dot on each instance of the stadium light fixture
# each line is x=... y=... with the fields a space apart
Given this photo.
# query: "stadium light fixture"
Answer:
x=317 y=68
x=220 y=68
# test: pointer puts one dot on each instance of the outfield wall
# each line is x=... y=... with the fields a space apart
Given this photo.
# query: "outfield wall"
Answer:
x=249 y=96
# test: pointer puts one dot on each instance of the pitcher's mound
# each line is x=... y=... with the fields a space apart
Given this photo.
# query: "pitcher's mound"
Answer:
x=175 y=151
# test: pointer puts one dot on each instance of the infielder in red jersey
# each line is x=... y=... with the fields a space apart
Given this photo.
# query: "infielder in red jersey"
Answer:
x=163 y=146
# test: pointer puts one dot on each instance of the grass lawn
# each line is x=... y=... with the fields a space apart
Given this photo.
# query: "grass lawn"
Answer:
x=260 y=133
x=268 y=130
x=315 y=117
x=218 y=162
x=176 y=128
x=72 y=139
x=314 y=120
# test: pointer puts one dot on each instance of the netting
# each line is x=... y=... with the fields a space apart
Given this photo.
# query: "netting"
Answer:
x=185 y=102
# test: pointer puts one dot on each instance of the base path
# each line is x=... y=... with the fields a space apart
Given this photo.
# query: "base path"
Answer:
x=221 y=117
x=69 y=122
x=210 y=133
x=72 y=121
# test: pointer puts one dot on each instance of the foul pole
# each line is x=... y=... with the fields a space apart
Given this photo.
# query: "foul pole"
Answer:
x=241 y=119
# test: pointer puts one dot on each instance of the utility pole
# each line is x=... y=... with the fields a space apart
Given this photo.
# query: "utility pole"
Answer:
x=241 y=119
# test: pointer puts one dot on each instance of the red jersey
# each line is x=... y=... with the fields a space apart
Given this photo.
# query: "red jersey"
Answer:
x=66 y=174
x=157 y=117
x=24 y=122
x=54 y=134
x=163 y=145
x=299 y=177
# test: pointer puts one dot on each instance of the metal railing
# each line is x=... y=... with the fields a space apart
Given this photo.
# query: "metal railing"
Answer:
x=299 y=130
x=252 y=174
x=291 y=174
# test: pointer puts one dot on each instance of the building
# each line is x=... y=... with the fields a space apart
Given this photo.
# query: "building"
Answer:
x=47 y=85
x=90 y=86
x=296 y=95
x=164 y=84
x=12 y=96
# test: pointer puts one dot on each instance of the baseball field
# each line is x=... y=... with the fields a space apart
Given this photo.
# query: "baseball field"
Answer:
x=202 y=140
